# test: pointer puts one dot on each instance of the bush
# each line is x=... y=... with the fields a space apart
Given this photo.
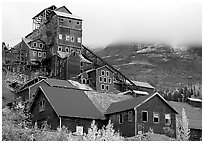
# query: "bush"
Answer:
x=105 y=134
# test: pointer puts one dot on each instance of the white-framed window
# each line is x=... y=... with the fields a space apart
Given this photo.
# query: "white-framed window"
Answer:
x=144 y=116
x=102 y=73
x=60 y=70
x=120 y=118
x=67 y=37
x=107 y=73
x=42 y=105
x=100 y=79
x=67 y=49
x=156 y=117
x=109 y=80
x=35 y=44
x=44 y=54
x=72 y=39
x=168 y=119
x=60 y=36
x=83 y=81
x=41 y=45
x=34 y=53
x=59 y=48
x=39 y=54
x=129 y=116
x=105 y=79
x=71 y=50
x=102 y=87
x=107 y=87
x=79 y=40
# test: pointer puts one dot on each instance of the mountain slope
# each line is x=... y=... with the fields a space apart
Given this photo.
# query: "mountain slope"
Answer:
x=162 y=65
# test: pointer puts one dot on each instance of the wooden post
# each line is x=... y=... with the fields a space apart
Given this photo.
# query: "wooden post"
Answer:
x=135 y=121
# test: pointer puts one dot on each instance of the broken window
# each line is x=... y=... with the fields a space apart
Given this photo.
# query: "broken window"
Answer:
x=155 y=117
x=144 y=116
x=167 y=119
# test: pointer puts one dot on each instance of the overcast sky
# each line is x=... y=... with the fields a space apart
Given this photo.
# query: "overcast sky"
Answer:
x=107 y=21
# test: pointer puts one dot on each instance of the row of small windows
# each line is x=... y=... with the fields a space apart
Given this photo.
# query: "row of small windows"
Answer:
x=104 y=87
x=40 y=45
x=104 y=73
x=105 y=79
x=70 y=38
x=70 y=21
x=68 y=50
x=156 y=117
x=40 y=54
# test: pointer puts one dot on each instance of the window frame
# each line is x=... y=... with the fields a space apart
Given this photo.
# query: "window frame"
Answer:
x=100 y=77
x=102 y=71
x=35 y=53
x=61 y=19
x=44 y=54
x=67 y=48
x=130 y=116
x=79 y=39
x=167 y=119
x=72 y=38
x=106 y=87
x=35 y=44
x=58 y=48
x=42 y=106
x=60 y=36
x=153 y=117
x=109 y=80
x=144 y=111
x=105 y=79
x=120 y=118
x=107 y=75
x=84 y=79
x=102 y=85
x=39 y=54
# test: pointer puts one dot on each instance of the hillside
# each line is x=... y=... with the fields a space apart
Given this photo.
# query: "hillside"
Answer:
x=161 y=65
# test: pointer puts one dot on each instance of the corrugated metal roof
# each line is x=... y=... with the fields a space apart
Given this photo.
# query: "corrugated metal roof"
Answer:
x=60 y=83
x=67 y=15
x=71 y=103
x=142 y=84
x=194 y=115
x=195 y=99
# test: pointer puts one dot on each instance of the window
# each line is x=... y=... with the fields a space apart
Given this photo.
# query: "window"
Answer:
x=42 y=105
x=83 y=81
x=70 y=21
x=107 y=87
x=102 y=86
x=34 y=53
x=39 y=54
x=61 y=19
x=77 y=22
x=144 y=116
x=105 y=79
x=44 y=54
x=168 y=119
x=82 y=64
x=79 y=51
x=79 y=40
x=71 y=50
x=67 y=49
x=120 y=120
x=155 y=117
x=59 y=48
x=41 y=45
x=72 y=39
x=34 y=44
x=130 y=116
x=67 y=38
x=100 y=79
x=109 y=80
x=60 y=36
x=107 y=73
x=103 y=73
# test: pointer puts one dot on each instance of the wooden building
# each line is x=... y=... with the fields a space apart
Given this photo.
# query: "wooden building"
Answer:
x=65 y=107
x=138 y=115
x=100 y=79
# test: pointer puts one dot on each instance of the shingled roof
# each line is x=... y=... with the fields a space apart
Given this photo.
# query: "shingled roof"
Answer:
x=132 y=103
x=70 y=103
x=194 y=115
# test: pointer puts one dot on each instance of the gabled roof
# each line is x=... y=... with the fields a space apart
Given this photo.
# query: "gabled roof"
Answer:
x=63 y=14
x=133 y=103
x=63 y=9
x=60 y=83
x=70 y=103
x=194 y=115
